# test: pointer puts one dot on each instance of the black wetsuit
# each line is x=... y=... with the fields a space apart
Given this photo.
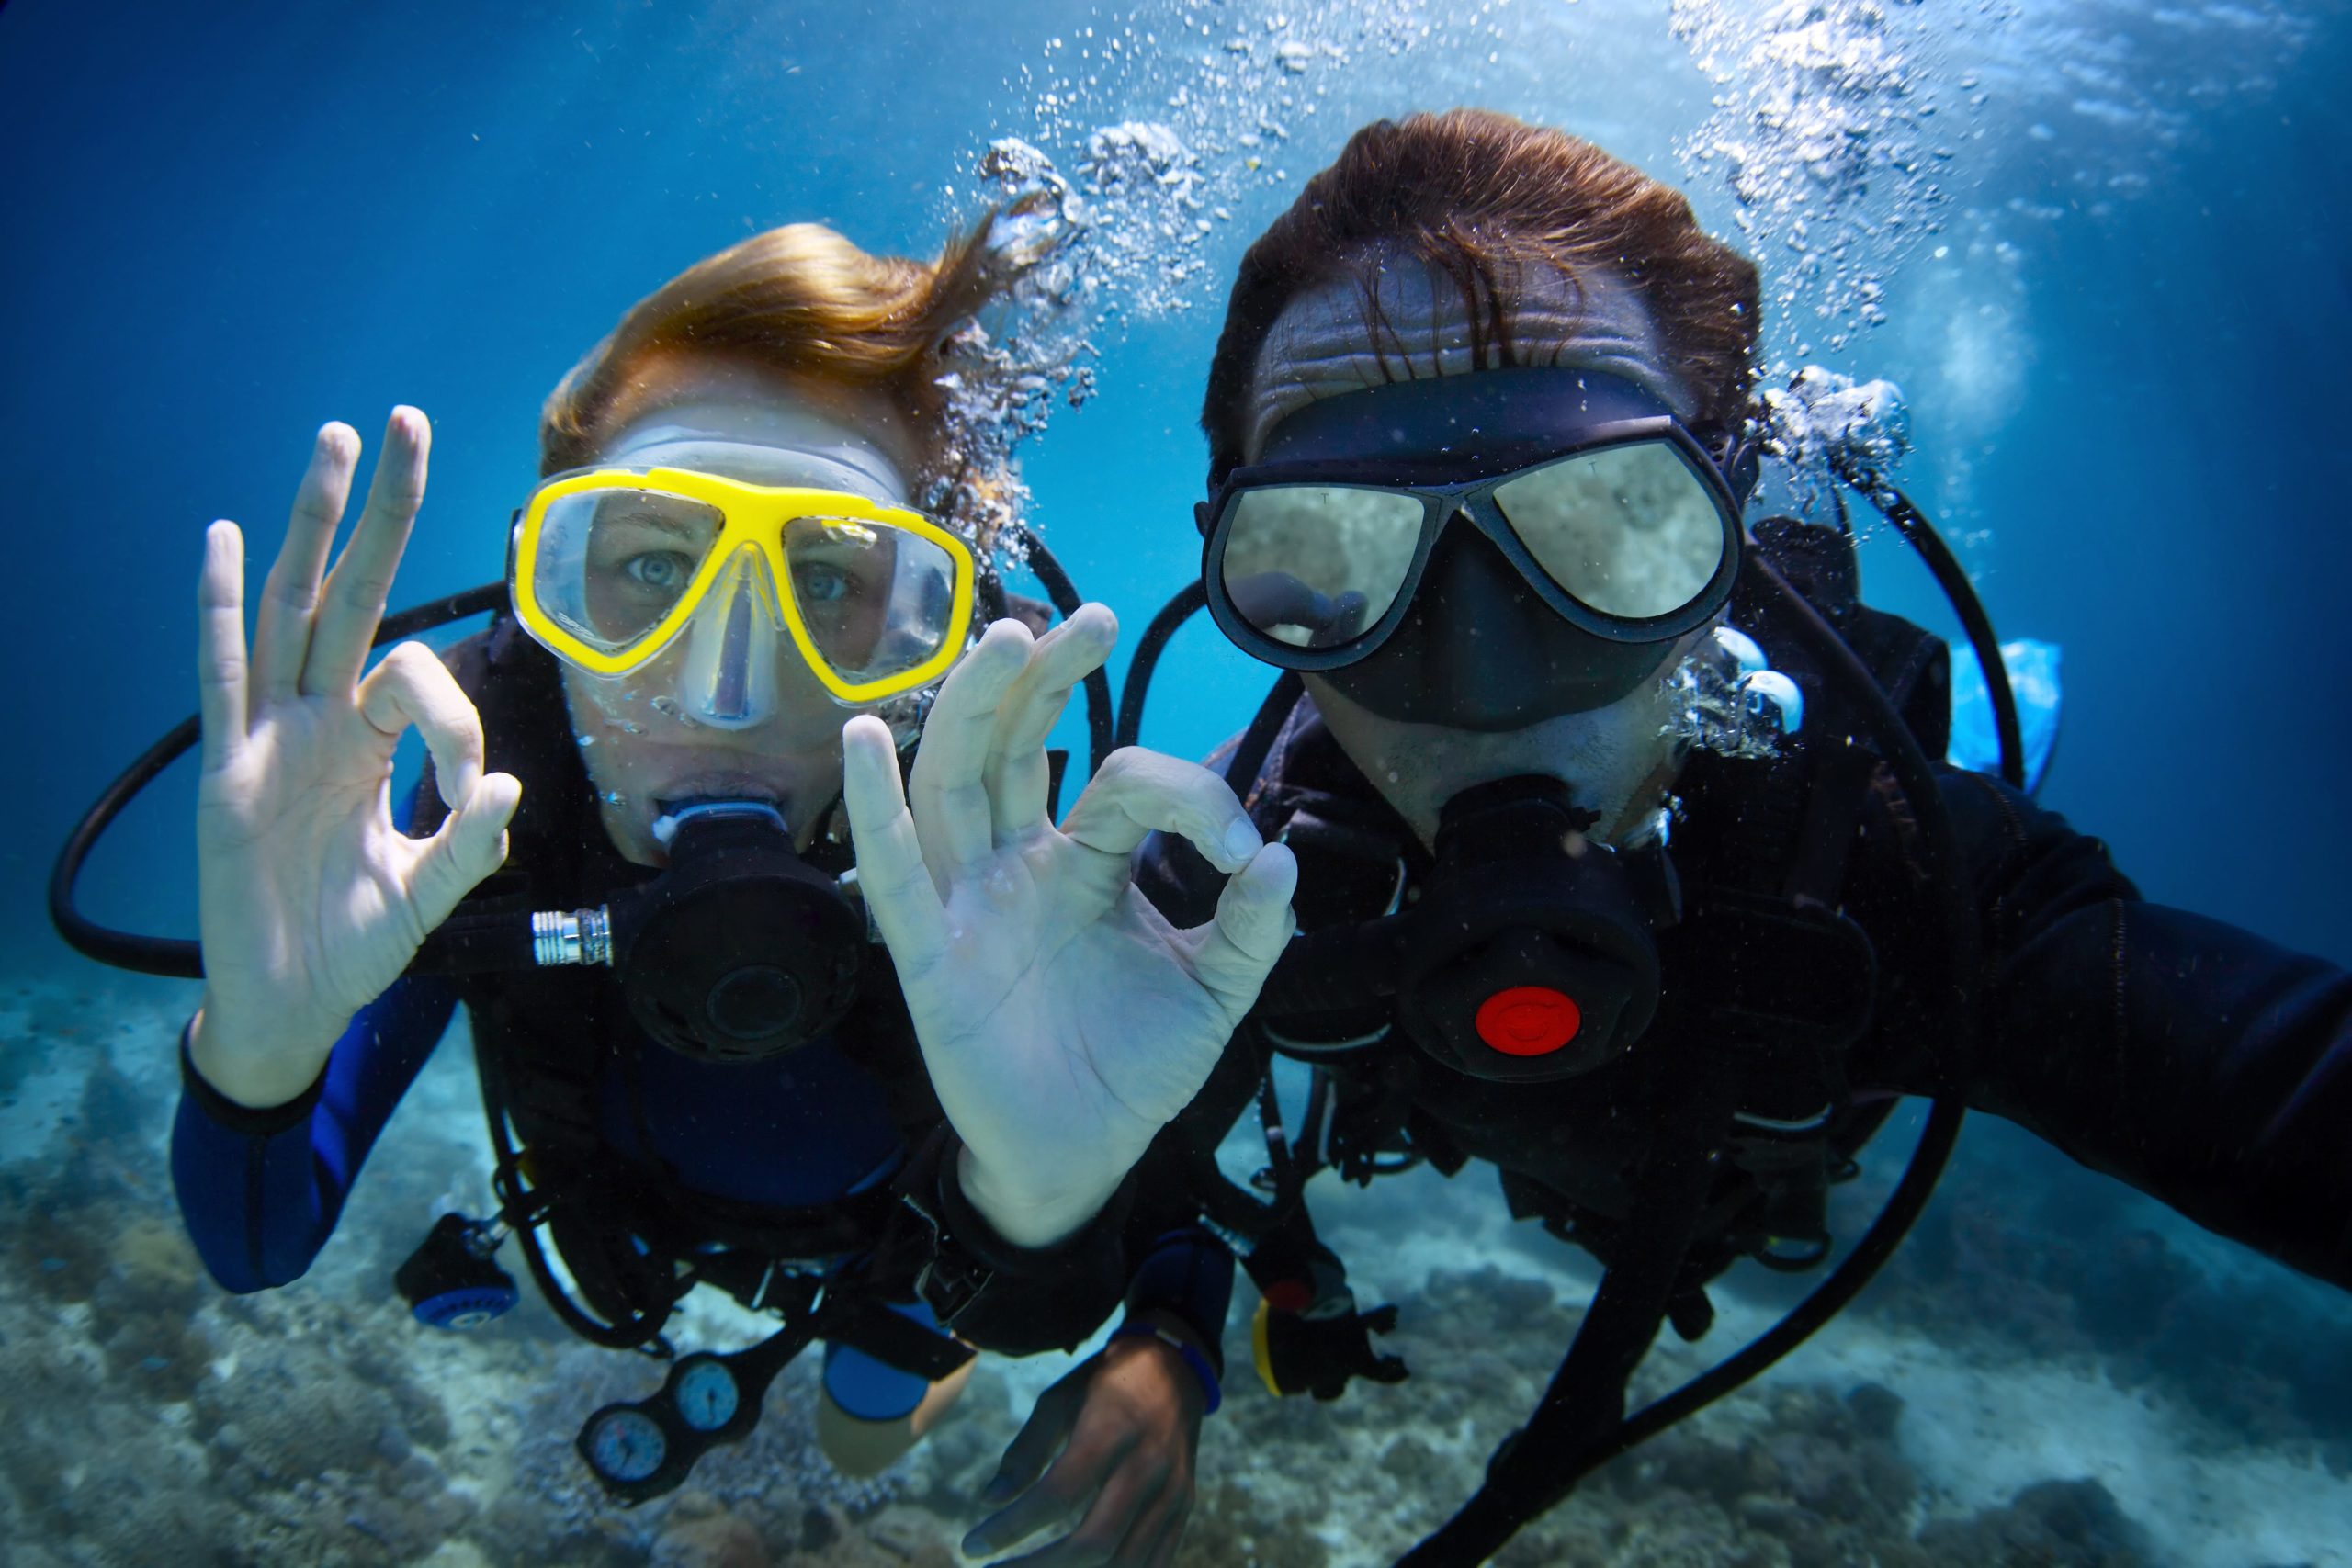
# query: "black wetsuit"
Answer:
x=2200 y=1063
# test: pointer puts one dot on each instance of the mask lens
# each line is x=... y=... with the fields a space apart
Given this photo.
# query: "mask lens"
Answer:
x=876 y=601
x=611 y=563
x=1315 y=566
x=1631 y=530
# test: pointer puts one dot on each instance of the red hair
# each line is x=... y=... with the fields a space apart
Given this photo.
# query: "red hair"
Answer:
x=800 y=301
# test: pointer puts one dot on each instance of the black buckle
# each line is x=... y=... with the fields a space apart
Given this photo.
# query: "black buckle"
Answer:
x=952 y=1278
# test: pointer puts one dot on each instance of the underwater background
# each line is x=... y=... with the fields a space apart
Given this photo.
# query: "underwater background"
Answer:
x=2101 y=245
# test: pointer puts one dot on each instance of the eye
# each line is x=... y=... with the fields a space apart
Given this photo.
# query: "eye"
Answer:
x=658 y=569
x=823 y=584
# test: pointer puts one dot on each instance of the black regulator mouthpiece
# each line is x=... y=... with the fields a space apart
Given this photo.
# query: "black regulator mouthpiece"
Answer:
x=740 y=950
x=1531 y=954
x=1537 y=959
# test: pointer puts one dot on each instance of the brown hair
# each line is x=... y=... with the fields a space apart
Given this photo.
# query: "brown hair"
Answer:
x=800 y=301
x=1473 y=194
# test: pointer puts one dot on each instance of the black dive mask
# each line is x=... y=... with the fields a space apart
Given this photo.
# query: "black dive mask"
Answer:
x=1531 y=954
x=1481 y=551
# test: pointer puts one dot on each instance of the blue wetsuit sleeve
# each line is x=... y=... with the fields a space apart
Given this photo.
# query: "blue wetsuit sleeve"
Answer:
x=871 y=1390
x=1189 y=1273
x=260 y=1190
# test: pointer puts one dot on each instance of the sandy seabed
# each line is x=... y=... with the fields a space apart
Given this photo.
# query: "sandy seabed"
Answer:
x=2038 y=1381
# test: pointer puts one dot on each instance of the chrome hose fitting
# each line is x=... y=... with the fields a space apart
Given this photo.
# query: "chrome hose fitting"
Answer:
x=561 y=938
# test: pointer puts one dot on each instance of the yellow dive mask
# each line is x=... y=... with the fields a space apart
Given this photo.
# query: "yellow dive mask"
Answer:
x=609 y=565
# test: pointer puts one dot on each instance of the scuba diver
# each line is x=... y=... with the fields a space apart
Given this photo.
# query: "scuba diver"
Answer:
x=1624 y=865
x=628 y=862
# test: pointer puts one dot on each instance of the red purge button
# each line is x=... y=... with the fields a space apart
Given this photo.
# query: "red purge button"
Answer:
x=1529 y=1021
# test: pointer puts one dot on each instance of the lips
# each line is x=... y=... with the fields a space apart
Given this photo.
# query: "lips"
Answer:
x=660 y=771
x=718 y=786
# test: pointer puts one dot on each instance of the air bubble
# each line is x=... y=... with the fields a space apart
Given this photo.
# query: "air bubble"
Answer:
x=1818 y=107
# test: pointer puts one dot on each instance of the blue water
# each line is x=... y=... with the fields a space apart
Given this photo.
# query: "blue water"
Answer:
x=229 y=226
x=2123 y=345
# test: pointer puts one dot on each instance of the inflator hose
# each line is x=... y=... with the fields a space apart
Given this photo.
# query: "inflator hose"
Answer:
x=1920 y=533
x=177 y=956
x=1064 y=593
x=1191 y=597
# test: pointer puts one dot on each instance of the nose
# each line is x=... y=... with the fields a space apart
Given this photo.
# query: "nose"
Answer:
x=1502 y=623
x=728 y=677
x=1480 y=650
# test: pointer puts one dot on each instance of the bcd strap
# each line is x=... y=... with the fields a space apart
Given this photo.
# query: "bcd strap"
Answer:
x=892 y=1338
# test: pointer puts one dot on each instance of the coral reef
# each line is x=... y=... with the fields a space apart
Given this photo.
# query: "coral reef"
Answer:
x=156 y=1420
x=2064 y=1524
x=2036 y=1258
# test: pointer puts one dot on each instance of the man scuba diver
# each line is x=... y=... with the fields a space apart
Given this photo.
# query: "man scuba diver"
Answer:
x=1481 y=435
x=696 y=1067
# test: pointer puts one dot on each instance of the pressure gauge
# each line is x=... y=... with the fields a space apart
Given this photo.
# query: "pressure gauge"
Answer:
x=626 y=1445
x=706 y=1394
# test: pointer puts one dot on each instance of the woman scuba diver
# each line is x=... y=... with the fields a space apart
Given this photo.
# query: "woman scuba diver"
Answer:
x=698 y=1066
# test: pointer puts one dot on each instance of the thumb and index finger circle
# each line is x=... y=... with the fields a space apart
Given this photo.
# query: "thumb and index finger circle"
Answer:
x=468 y=846
x=1138 y=793
x=1239 y=946
x=412 y=686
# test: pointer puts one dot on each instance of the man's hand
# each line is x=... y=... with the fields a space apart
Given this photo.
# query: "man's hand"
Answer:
x=1063 y=1021
x=1120 y=1432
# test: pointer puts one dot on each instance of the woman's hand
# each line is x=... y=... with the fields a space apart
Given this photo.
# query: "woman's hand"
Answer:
x=1062 y=1020
x=311 y=901
x=1120 y=1431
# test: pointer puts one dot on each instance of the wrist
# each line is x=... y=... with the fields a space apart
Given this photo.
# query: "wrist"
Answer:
x=253 y=1068
x=1176 y=1339
x=1171 y=1326
x=1031 y=1218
